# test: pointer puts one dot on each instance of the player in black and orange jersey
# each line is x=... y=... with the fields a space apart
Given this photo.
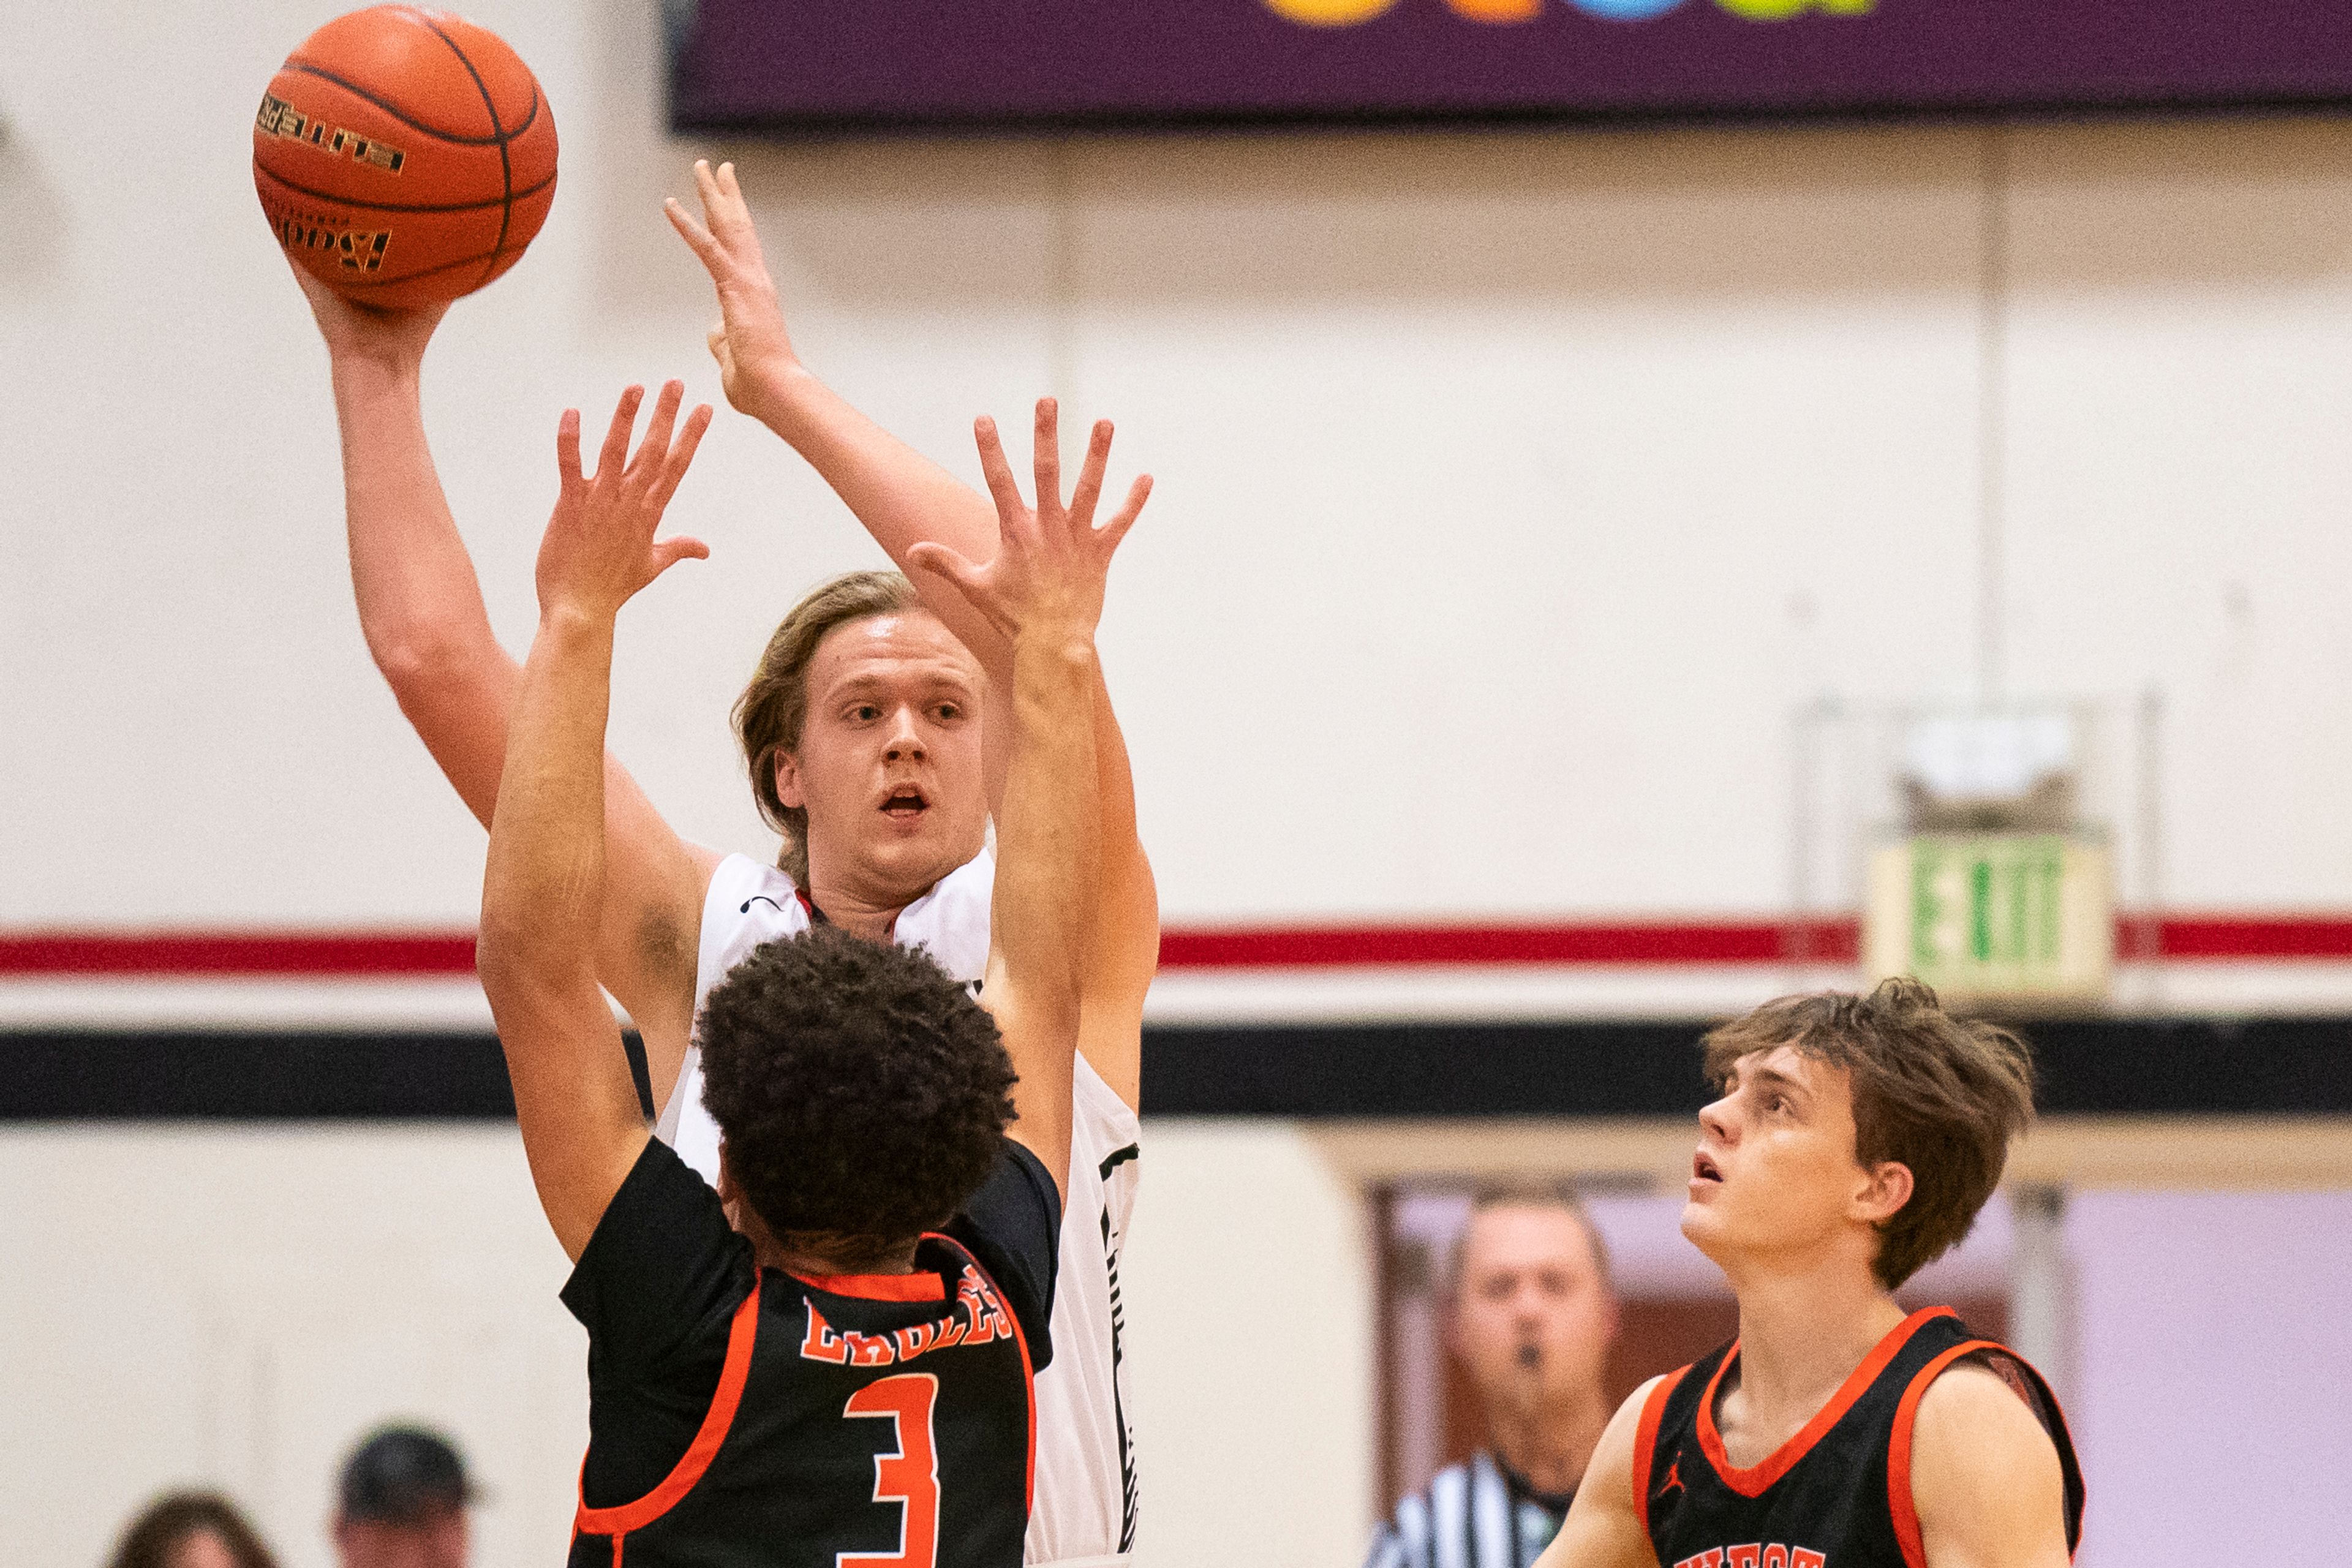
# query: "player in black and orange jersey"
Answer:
x=1855 y=1141
x=845 y=1374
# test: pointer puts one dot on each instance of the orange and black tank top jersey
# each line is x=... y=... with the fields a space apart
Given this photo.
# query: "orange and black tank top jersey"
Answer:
x=740 y=1417
x=1837 y=1494
x=849 y=1426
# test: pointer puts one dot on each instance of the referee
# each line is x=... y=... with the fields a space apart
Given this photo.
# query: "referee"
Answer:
x=1531 y=1316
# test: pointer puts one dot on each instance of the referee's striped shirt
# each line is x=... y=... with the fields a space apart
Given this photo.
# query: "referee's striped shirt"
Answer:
x=1472 y=1516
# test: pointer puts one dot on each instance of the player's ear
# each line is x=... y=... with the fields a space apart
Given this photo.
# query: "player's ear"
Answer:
x=788 y=782
x=1882 y=1192
x=728 y=1192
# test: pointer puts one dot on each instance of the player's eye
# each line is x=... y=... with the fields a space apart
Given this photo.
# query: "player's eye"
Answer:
x=947 y=712
x=866 y=712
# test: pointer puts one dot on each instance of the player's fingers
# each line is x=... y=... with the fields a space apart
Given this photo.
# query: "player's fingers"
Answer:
x=653 y=451
x=698 y=238
x=942 y=562
x=1046 y=455
x=567 y=447
x=1111 y=532
x=681 y=455
x=705 y=185
x=1001 y=483
x=612 y=461
x=668 y=553
x=1089 y=493
x=730 y=218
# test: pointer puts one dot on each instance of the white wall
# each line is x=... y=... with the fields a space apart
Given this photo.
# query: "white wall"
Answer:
x=233 y=1308
x=1514 y=488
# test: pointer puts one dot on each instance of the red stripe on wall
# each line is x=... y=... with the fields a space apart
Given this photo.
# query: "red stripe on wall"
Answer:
x=1618 y=942
x=2249 y=936
x=220 y=955
x=295 y=955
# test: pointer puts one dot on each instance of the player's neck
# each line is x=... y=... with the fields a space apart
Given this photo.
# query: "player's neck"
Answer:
x=806 y=1264
x=1550 y=1445
x=857 y=908
x=793 y=1254
x=1801 y=1334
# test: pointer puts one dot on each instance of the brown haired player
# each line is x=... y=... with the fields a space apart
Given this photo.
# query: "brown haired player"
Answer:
x=1855 y=1140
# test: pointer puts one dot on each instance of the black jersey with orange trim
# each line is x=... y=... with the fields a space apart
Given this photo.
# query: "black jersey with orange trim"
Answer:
x=882 y=1419
x=1836 y=1495
x=742 y=1417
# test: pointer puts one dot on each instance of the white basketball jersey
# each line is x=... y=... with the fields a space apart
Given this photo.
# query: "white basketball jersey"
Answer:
x=1084 y=1511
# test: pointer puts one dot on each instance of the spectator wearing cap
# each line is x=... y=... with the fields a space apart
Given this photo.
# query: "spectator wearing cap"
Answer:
x=402 y=1503
x=190 y=1530
x=1530 y=1318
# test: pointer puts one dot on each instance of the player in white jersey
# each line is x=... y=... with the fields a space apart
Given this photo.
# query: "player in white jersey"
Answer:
x=879 y=774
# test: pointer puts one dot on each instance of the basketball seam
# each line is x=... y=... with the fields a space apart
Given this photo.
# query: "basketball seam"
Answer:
x=499 y=140
x=506 y=163
x=356 y=284
x=341 y=200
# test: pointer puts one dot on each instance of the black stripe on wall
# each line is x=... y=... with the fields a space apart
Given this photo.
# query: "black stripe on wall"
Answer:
x=2089 y=1066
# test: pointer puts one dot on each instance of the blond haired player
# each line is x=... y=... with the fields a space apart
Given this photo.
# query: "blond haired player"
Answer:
x=1855 y=1140
x=866 y=730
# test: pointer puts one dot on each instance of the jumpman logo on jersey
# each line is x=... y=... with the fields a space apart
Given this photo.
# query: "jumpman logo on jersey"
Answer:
x=1673 y=1481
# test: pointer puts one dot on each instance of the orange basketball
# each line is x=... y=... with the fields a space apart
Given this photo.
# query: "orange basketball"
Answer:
x=405 y=156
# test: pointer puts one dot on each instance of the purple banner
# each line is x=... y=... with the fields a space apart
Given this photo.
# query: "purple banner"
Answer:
x=794 y=66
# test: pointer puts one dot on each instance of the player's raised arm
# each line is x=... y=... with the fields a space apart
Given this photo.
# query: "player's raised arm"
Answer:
x=903 y=499
x=543 y=891
x=421 y=610
x=1041 y=590
x=1603 y=1528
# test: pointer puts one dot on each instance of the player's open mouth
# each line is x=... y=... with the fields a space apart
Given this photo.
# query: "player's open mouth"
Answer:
x=1703 y=1169
x=905 y=802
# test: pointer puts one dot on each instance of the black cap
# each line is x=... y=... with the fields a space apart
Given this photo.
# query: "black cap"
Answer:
x=403 y=1475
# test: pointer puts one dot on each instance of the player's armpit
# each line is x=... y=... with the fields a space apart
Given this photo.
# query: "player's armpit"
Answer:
x=1984 y=1477
x=1602 y=1529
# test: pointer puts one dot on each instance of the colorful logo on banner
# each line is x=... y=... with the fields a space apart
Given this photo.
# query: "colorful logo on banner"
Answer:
x=1347 y=13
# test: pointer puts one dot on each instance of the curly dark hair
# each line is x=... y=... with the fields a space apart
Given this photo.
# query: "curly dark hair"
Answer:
x=153 y=1538
x=861 y=1095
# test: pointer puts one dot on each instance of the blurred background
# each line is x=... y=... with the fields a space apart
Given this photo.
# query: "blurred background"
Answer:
x=1626 y=545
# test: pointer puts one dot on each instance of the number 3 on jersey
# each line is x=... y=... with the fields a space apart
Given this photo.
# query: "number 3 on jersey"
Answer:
x=908 y=1476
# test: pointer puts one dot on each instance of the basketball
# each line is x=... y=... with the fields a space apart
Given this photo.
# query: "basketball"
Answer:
x=405 y=156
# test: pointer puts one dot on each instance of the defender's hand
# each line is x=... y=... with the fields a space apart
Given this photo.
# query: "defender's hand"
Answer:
x=600 y=547
x=749 y=341
x=1051 y=562
x=354 y=331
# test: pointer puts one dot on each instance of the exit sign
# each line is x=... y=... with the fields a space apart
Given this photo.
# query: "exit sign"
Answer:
x=1994 y=915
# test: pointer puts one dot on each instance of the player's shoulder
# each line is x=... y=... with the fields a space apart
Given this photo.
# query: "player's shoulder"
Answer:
x=1980 y=1462
x=1968 y=1406
x=1609 y=1476
x=736 y=878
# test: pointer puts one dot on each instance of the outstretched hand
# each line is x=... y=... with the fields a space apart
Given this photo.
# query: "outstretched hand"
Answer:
x=1051 y=562
x=357 y=331
x=749 y=341
x=600 y=547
